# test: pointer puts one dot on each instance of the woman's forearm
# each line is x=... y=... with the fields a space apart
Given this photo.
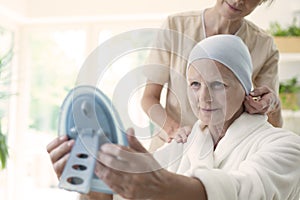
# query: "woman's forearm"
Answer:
x=95 y=196
x=178 y=187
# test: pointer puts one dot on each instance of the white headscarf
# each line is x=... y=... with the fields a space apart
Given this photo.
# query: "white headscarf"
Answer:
x=229 y=50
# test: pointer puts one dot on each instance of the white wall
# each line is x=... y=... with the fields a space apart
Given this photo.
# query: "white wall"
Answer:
x=18 y=6
x=40 y=8
x=281 y=10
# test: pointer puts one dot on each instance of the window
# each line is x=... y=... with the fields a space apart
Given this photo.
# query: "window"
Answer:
x=53 y=59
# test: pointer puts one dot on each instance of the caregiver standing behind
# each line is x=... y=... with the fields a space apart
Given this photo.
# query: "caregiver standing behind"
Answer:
x=229 y=154
x=225 y=17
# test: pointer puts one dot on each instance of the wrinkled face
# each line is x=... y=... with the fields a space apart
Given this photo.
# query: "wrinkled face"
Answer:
x=214 y=92
x=236 y=9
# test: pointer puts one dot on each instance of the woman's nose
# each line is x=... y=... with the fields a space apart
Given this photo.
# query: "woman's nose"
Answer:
x=204 y=94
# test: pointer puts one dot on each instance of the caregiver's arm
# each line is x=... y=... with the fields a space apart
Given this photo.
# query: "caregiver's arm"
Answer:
x=133 y=173
x=151 y=105
x=266 y=85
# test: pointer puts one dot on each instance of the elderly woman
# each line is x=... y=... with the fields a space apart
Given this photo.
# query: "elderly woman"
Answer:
x=229 y=153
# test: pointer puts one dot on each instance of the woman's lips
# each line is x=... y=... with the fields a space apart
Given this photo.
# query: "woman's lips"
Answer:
x=233 y=8
x=208 y=109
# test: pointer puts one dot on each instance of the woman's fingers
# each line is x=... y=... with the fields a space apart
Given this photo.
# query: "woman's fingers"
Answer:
x=61 y=150
x=58 y=151
x=59 y=165
x=110 y=177
x=121 y=163
x=56 y=142
x=134 y=143
x=120 y=182
x=130 y=185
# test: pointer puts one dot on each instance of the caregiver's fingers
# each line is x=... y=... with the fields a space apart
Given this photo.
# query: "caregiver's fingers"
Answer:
x=260 y=91
x=256 y=106
x=263 y=100
x=182 y=134
x=181 y=138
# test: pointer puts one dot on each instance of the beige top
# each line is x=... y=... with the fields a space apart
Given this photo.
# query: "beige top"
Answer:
x=188 y=29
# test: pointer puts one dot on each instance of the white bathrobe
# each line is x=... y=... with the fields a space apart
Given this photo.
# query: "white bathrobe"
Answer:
x=253 y=161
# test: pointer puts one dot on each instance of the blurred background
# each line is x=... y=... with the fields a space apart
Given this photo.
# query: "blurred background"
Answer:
x=43 y=44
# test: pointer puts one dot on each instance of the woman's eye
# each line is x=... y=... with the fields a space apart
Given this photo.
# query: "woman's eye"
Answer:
x=195 y=85
x=217 y=85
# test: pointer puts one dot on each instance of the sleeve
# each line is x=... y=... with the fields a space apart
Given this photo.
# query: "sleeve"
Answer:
x=271 y=173
x=158 y=61
x=268 y=75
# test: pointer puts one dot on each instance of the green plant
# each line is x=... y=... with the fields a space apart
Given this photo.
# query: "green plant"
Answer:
x=3 y=149
x=289 y=86
x=288 y=94
x=291 y=30
x=4 y=81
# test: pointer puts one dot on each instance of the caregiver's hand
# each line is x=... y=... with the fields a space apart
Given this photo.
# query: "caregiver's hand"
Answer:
x=126 y=170
x=179 y=134
x=182 y=134
x=267 y=101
